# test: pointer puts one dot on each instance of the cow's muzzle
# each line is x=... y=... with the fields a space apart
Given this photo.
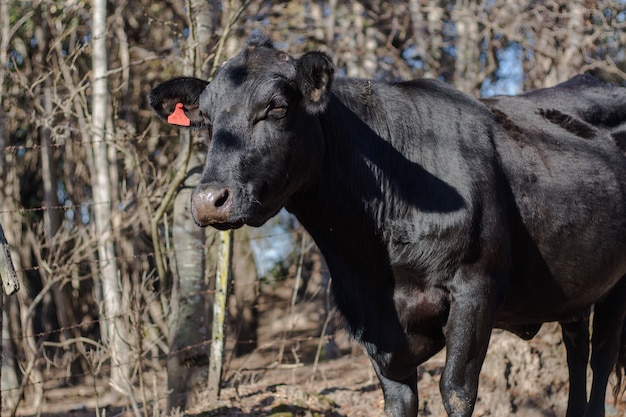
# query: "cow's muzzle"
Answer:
x=212 y=205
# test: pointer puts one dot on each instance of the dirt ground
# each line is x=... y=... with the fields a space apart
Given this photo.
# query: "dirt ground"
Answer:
x=519 y=378
x=281 y=379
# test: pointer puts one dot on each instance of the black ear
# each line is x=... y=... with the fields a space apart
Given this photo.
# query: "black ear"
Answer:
x=185 y=91
x=314 y=77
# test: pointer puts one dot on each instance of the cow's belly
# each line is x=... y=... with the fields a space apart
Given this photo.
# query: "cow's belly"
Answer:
x=536 y=295
x=568 y=229
x=564 y=264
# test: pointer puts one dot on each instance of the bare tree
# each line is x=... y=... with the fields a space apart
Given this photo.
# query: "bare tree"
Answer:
x=196 y=249
x=467 y=75
x=188 y=326
x=77 y=264
x=115 y=331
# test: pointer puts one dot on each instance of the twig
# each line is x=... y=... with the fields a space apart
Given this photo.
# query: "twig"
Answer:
x=26 y=377
x=222 y=41
x=318 y=352
x=222 y=284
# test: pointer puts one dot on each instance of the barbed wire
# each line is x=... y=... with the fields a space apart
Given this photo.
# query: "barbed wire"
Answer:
x=24 y=210
x=86 y=261
x=105 y=369
x=87 y=323
x=104 y=366
x=169 y=252
x=34 y=147
x=62 y=329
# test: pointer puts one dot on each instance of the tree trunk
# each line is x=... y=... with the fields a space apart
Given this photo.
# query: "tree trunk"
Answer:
x=222 y=285
x=243 y=308
x=571 y=57
x=52 y=216
x=9 y=381
x=432 y=64
x=114 y=327
x=189 y=324
x=190 y=300
x=8 y=376
x=467 y=75
x=7 y=270
x=9 y=191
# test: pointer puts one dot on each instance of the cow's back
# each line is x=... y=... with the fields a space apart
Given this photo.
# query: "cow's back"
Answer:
x=559 y=150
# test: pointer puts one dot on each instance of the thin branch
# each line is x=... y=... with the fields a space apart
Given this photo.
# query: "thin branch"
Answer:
x=222 y=41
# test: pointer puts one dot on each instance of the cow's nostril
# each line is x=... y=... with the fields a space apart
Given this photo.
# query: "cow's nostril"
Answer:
x=222 y=198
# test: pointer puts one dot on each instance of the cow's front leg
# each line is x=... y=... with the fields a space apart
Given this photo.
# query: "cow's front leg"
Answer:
x=467 y=332
x=400 y=395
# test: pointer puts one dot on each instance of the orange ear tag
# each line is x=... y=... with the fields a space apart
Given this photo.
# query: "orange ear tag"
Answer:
x=179 y=117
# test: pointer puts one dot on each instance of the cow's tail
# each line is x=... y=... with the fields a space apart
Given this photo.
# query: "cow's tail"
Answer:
x=620 y=365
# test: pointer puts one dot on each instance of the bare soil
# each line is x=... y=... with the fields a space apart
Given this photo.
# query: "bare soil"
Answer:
x=525 y=379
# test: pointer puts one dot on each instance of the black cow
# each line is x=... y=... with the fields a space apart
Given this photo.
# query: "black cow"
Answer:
x=440 y=217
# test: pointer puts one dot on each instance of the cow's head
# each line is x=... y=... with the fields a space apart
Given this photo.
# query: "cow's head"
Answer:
x=261 y=110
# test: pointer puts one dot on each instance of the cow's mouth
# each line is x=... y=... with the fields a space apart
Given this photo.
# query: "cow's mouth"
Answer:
x=229 y=225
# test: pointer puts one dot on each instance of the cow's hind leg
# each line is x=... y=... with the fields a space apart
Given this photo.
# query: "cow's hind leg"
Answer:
x=608 y=322
x=400 y=396
x=576 y=340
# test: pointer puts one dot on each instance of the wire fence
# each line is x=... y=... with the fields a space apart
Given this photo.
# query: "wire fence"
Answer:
x=51 y=348
x=105 y=370
x=53 y=343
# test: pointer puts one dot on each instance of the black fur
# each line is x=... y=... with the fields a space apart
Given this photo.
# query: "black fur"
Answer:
x=440 y=216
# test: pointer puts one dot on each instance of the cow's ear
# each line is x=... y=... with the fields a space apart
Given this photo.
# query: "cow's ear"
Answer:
x=177 y=101
x=314 y=76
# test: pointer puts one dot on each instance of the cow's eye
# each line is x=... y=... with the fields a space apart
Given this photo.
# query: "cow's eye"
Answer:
x=275 y=109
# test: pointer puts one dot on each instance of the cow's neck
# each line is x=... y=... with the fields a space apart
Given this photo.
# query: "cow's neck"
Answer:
x=343 y=210
x=346 y=203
